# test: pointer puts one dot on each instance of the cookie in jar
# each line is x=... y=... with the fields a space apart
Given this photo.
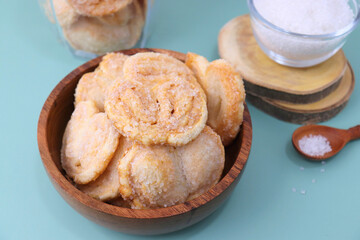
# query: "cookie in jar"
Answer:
x=95 y=27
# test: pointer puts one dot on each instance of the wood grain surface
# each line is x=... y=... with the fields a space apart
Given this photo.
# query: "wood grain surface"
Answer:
x=51 y=125
x=337 y=138
x=319 y=111
x=266 y=78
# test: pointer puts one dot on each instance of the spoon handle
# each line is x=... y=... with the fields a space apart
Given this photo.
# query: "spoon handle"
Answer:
x=354 y=132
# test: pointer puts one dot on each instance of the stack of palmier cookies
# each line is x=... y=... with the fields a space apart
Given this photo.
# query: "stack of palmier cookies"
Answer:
x=148 y=131
x=100 y=26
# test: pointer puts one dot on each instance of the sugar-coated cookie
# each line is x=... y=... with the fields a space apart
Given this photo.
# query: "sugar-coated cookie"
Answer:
x=93 y=35
x=158 y=102
x=225 y=93
x=226 y=96
x=98 y=7
x=198 y=64
x=112 y=65
x=106 y=187
x=65 y=13
x=152 y=177
x=203 y=162
x=89 y=143
x=89 y=89
x=93 y=86
x=121 y=17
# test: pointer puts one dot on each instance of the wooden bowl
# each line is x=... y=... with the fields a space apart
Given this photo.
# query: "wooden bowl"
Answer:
x=54 y=116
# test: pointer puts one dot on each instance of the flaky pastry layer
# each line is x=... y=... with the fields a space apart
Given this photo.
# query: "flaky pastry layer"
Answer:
x=157 y=102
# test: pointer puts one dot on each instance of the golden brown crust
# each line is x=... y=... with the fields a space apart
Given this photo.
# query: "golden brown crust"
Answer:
x=160 y=176
x=198 y=64
x=89 y=89
x=226 y=99
x=106 y=186
x=93 y=86
x=124 y=175
x=225 y=93
x=112 y=66
x=151 y=67
x=158 y=102
x=98 y=7
x=89 y=143
x=152 y=177
x=203 y=162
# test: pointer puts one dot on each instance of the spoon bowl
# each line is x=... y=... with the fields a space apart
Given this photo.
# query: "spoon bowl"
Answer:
x=337 y=138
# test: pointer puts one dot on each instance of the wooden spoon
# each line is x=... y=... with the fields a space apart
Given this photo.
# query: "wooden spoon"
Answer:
x=337 y=138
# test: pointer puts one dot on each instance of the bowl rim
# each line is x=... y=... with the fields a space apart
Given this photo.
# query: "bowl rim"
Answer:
x=58 y=178
x=328 y=36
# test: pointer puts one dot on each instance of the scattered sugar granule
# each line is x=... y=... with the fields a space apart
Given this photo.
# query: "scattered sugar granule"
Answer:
x=315 y=145
x=293 y=189
x=303 y=192
x=322 y=170
x=313 y=181
x=323 y=162
x=301 y=168
x=307 y=16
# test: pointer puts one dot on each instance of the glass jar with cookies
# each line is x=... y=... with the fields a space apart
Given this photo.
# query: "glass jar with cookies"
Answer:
x=95 y=27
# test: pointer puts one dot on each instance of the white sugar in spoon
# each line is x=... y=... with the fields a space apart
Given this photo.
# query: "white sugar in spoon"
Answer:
x=337 y=138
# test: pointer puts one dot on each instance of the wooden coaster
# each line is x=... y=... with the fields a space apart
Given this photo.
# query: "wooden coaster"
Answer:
x=264 y=77
x=315 y=112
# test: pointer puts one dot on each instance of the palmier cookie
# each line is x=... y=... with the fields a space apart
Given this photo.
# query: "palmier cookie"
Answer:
x=98 y=7
x=65 y=14
x=156 y=105
x=225 y=95
x=121 y=17
x=198 y=65
x=106 y=186
x=152 y=67
x=89 y=143
x=93 y=86
x=152 y=177
x=203 y=162
x=137 y=22
x=92 y=35
x=112 y=65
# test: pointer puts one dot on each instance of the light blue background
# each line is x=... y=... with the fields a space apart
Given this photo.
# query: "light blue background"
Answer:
x=263 y=205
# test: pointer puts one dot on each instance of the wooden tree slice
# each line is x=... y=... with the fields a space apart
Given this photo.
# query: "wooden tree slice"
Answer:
x=315 y=112
x=265 y=77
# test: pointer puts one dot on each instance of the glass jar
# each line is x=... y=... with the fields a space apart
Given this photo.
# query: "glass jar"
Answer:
x=296 y=49
x=91 y=28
